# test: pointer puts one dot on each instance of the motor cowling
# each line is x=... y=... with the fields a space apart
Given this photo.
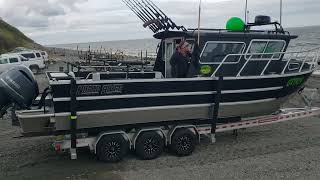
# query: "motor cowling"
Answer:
x=18 y=86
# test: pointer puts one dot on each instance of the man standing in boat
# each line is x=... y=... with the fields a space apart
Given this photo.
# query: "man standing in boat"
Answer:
x=180 y=60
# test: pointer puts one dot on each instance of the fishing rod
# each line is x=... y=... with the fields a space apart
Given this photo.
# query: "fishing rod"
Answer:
x=144 y=14
x=151 y=15
x=141 y=17
x=147 y=13
x=173 y=24
x=163 y=19
x=139 y=14
x=157 y=20
x=134 y=11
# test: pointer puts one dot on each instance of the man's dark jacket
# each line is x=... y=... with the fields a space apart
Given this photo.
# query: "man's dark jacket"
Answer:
x=179 y=65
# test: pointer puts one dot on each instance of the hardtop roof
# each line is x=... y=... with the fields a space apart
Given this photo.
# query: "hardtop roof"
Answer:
x=221 y=33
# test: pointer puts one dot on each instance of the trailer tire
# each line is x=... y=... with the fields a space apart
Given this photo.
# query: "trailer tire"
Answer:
x=183 y=142
x=149 y=145
x=112 y=148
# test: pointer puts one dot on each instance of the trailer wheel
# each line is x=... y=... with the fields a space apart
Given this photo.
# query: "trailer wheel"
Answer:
x=112 y=148
x=149 y=145
x=183 y=142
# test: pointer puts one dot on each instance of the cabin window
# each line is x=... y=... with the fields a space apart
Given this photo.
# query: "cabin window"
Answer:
x=169 y=51
x=3 y=61
x=216 y=52
x=265 y=49
x=38 y=54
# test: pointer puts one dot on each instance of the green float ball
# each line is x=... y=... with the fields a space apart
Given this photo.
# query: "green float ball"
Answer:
x=235 y=24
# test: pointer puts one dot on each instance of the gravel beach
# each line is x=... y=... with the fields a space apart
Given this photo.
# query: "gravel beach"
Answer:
x=288 y=150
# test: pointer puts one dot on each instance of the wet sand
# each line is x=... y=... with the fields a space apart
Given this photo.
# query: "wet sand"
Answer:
x=288 y=150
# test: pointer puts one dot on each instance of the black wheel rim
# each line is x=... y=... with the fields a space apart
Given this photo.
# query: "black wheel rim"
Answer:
x=184 y=143
x=151 y=146
x=112 y=150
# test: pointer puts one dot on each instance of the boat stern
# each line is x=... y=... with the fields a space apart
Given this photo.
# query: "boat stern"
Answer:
x=35 y=122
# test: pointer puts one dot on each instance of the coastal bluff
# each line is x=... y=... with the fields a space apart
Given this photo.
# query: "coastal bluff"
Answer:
x=11 y=37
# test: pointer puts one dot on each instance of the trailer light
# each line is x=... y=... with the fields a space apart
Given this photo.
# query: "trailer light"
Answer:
x=57 y=147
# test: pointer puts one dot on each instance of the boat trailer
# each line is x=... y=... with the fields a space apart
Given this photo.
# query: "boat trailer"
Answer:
x=165 y=136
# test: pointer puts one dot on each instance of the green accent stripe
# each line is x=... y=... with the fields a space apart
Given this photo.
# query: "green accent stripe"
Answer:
x=73 y=117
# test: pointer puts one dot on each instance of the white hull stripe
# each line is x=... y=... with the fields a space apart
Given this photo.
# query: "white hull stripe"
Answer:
x=90 y=81
x=162 y=107
x=85 y=98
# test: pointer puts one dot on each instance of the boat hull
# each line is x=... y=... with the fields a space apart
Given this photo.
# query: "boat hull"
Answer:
x=133 y=103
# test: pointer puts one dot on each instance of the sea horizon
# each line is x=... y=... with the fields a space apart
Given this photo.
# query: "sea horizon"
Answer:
x=133 y=39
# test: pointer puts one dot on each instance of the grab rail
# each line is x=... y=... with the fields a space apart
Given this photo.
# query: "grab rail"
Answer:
x=311 y=57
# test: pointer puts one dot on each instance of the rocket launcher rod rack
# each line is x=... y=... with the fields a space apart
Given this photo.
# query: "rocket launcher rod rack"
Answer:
x=152 y=16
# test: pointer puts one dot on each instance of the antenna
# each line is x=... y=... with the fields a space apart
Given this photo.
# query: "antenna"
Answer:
x=245 y=12
x=280 y=11
x=199 y=19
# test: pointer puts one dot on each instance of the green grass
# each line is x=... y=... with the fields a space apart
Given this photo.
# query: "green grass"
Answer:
x=11 y=37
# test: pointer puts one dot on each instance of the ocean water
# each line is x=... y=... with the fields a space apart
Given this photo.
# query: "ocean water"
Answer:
x=308 y=37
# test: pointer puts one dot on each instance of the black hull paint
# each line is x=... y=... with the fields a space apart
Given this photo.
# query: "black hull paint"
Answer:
x=157 y=93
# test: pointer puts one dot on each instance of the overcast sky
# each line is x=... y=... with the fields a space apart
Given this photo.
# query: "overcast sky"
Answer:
x=68 y=21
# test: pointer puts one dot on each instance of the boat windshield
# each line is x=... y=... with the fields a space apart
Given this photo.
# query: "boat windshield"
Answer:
x=215 y=51
x=264 y=47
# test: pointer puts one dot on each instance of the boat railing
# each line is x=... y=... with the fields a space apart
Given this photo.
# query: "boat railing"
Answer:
x=294 y=61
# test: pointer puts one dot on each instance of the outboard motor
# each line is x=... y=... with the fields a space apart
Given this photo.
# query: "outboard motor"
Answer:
x=17 y=86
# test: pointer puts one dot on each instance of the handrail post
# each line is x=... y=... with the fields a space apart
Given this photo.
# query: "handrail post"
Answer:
x=225 y=58
x=284 y=69
x=217 y=100
x=245 y=64
x=303 y=62
x=265 y=68
x=73 y=118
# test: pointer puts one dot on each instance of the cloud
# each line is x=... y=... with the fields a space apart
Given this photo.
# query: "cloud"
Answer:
x=63 y=21
x=35 y=13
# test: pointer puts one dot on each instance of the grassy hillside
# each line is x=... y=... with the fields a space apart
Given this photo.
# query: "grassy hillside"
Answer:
x=11 y=37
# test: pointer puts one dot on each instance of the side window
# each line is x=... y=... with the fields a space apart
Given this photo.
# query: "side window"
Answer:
x=258 y=47
x=13 y=60
x=215 y=52
x=3 y=61
x=23 y=58
x=28 y=55
x=38 y=54
x=43 y=53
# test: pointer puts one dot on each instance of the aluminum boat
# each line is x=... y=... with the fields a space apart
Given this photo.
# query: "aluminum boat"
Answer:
x=258 y=74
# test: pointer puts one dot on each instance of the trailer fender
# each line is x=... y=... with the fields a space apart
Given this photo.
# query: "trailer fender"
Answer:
x=191 y=127
x=158 y=130
x=124 y=134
